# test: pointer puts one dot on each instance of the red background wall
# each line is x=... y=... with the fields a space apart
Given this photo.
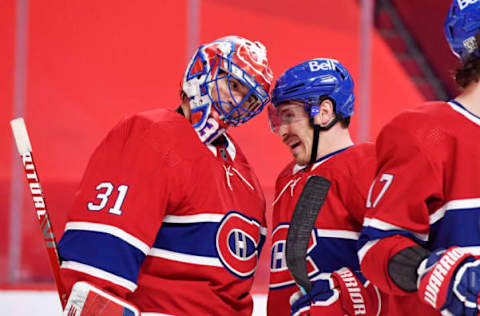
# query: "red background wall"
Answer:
x=90 y=63
x=424 y=19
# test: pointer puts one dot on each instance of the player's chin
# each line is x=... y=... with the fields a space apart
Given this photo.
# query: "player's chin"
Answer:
x=300 y=158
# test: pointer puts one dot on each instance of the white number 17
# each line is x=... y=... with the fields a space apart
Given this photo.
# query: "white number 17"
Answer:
x=386 y=177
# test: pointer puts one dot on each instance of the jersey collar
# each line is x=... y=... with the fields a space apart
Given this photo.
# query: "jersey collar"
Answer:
x=229 y=146
x=319 y=161
x=457 y=106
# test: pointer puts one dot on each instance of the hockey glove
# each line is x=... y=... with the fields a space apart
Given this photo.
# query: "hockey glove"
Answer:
x=343 y=294
x=450 y=282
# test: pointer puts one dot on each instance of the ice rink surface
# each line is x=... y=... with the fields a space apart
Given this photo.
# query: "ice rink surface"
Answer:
x=23 y=303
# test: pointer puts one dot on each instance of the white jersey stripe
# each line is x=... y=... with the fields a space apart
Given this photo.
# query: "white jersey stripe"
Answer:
x=111 y=230
x=188 y=219
x=454 y=205
x=182 y=257
x=99 y=273
x=279 y=227
x=381 y=225
x=336 y=233
x=363 y=251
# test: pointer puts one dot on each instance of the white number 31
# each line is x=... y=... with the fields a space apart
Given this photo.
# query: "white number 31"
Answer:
x=386 y=177
x=104 y=196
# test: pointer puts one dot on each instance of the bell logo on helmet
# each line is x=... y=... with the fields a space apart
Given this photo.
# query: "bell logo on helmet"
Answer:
x=316 y=66
x=462 y=4
x=313 y=79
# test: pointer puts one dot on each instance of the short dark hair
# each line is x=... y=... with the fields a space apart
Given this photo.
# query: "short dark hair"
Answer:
x=469 y=71
x=345 y=121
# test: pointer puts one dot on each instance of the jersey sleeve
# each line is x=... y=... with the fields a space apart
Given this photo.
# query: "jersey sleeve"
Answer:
x=118 y=208
x=397 y=214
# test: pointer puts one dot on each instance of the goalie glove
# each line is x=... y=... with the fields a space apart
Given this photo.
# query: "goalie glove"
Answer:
x=88 y=300
x=449 y=281
x=342 y=294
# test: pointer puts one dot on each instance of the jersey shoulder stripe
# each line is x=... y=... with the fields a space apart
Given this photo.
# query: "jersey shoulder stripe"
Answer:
x=196 y=239
x=461 y=204
x=185 y=258
x=109 y=229
x=380 y=225
x=99 y=273
x=102 y=251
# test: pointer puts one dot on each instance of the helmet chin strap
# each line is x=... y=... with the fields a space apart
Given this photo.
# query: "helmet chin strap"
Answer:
x=317 y=127
x=316 y=136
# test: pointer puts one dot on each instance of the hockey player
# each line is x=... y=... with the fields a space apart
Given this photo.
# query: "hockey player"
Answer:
x=169 y=215
x=421 y=234
x=312 y=106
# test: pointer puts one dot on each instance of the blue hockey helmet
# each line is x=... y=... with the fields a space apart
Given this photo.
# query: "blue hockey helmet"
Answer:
x=461 y=26
x=313 y=80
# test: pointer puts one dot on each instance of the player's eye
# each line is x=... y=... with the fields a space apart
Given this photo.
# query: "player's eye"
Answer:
x=234 y=84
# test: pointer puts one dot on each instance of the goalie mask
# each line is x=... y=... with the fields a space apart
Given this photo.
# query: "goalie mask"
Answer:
x=227 y=82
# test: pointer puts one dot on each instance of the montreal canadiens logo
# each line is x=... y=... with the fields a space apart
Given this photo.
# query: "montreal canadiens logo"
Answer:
x=279 y=275
x=238 y=243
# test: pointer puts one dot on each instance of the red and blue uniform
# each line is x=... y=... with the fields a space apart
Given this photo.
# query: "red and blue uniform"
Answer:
x=337 y=228
x=426 y=192
x=166 y=222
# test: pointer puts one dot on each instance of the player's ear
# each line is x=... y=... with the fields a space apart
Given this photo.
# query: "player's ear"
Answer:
x=326 y=113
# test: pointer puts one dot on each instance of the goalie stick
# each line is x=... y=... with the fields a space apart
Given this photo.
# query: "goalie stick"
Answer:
x=25 y=150
x=303 y=219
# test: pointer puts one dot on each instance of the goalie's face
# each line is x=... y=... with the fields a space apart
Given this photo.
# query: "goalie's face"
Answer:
x=292 y=123
x=233 y=101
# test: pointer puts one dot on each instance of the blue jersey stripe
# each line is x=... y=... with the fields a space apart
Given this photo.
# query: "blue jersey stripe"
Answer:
x=102 y=251
x=369 y=233
x=331 y=254
x=197 y=239
x=456 y=228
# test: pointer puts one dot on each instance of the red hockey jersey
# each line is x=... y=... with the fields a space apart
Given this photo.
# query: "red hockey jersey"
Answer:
x=426 y=192
x=172 y=225
x=334 y=238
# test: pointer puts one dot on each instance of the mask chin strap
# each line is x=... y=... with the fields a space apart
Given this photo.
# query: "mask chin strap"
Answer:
x=317 y=128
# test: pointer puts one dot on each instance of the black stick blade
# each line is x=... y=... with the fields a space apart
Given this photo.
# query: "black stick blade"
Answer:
x=303 y=220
